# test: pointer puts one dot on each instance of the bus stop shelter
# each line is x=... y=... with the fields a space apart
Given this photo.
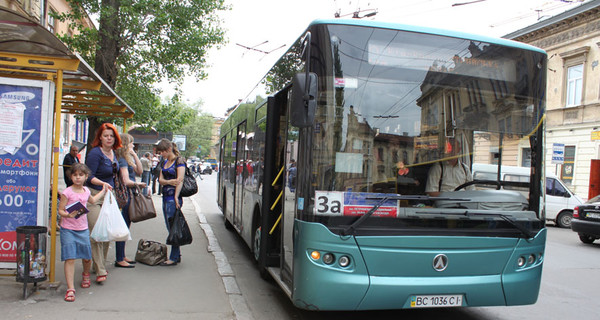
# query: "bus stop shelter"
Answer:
x=29 y=51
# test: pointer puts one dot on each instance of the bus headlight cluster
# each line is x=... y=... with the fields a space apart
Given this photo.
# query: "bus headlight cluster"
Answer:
x=529 y=260
x=330 y=259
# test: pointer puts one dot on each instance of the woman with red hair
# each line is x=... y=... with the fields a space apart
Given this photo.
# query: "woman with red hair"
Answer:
x=103 y=163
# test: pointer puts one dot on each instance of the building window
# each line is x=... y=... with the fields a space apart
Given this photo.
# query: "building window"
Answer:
x=51 y=21
x=526 y=157
x=574 y=65
x=574 y=85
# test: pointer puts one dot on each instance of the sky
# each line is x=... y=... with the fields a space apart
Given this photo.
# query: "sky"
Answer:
x=273 y=25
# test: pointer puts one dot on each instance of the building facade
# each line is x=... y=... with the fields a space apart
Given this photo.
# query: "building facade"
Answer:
x=572 y=41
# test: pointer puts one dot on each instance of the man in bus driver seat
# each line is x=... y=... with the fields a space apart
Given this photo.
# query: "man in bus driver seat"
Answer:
x=446 y=175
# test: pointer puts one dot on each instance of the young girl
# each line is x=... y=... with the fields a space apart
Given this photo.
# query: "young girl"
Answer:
x=74 y=233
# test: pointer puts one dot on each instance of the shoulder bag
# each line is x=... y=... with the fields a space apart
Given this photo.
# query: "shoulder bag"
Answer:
x=121 y=191
x=141 y=207
x=190 y=186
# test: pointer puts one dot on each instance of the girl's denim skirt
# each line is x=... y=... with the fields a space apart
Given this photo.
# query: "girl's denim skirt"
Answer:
x=75 y=244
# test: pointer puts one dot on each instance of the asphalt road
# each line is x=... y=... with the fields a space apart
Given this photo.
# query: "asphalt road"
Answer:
x=569 y=283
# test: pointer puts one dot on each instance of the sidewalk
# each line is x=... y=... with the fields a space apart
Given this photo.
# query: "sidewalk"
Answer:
x=193 y=289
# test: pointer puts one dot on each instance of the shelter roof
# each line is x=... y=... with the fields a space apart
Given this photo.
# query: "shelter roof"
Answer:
x=29 y=51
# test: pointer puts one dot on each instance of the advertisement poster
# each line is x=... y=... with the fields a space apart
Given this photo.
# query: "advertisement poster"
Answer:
x=24 y=155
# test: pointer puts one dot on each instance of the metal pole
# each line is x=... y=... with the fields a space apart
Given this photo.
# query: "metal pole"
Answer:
x=55 y=152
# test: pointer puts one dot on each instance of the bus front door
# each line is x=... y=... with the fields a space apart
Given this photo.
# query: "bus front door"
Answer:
x=240 y=172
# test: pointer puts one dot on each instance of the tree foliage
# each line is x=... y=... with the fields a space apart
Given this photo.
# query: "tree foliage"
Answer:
x=140 y=42
x=198 y=132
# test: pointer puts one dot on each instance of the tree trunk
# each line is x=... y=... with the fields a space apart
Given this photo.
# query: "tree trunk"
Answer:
x=107 y=53
x=108 y=43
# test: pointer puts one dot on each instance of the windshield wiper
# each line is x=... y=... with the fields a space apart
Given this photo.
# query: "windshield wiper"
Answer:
x=506 y=218
x=355 y=224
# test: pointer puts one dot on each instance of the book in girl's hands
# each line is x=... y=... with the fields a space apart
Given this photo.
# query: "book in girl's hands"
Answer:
x=77 y=206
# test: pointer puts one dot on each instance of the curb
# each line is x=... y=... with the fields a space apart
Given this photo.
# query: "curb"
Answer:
x=236 y=299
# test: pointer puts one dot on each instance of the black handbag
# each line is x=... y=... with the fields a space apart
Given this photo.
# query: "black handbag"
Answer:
x=151 y=252
x=141 y=207
x=179 y=231
x=190 y=186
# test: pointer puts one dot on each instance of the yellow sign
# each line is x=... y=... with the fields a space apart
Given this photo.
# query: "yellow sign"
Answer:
x=595 y=135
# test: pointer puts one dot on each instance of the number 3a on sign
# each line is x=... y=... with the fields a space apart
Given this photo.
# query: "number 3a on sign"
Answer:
x=329 y=203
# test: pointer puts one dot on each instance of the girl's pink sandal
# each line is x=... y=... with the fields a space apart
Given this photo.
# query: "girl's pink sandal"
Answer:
x=70 y=295
x=85 y=282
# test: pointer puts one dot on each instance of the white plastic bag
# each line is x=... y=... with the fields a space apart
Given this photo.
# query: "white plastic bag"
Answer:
x=110 y=225
x=100 y=231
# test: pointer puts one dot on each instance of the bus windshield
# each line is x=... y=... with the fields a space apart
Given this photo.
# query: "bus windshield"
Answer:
x=406 y=113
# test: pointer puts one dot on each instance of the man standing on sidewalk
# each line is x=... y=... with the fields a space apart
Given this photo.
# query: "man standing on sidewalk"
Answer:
x=68 y=161
x=146 y=162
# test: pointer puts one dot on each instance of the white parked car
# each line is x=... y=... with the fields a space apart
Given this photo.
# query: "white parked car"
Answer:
x=560 y=201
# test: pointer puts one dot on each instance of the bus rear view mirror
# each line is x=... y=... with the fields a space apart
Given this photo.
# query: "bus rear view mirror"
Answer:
x=304 y=100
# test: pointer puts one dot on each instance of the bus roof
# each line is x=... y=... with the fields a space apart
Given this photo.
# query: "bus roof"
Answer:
x=428 y=30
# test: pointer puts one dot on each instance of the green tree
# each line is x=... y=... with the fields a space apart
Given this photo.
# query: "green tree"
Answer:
x=140 y=42
x=177 y=112
x=198 y=132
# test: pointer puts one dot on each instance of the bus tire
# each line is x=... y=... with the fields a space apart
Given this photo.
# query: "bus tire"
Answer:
x=256 y=242
x=256 y=247
x=564 y=218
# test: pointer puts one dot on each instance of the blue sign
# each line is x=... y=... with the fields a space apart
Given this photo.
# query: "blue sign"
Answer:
x=558 y=153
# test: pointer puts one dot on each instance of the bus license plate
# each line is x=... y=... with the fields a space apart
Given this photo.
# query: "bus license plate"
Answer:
x=433 y=301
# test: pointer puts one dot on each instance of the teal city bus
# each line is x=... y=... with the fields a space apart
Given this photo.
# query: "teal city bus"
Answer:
x=347 y=170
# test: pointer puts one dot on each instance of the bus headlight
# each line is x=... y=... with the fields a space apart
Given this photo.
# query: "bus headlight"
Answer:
x=328 y=258
x=531 y=259
x=521 y=261
x=344 y=261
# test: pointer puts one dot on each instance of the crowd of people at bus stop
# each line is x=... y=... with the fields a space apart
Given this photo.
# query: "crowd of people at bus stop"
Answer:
x=112 y=154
